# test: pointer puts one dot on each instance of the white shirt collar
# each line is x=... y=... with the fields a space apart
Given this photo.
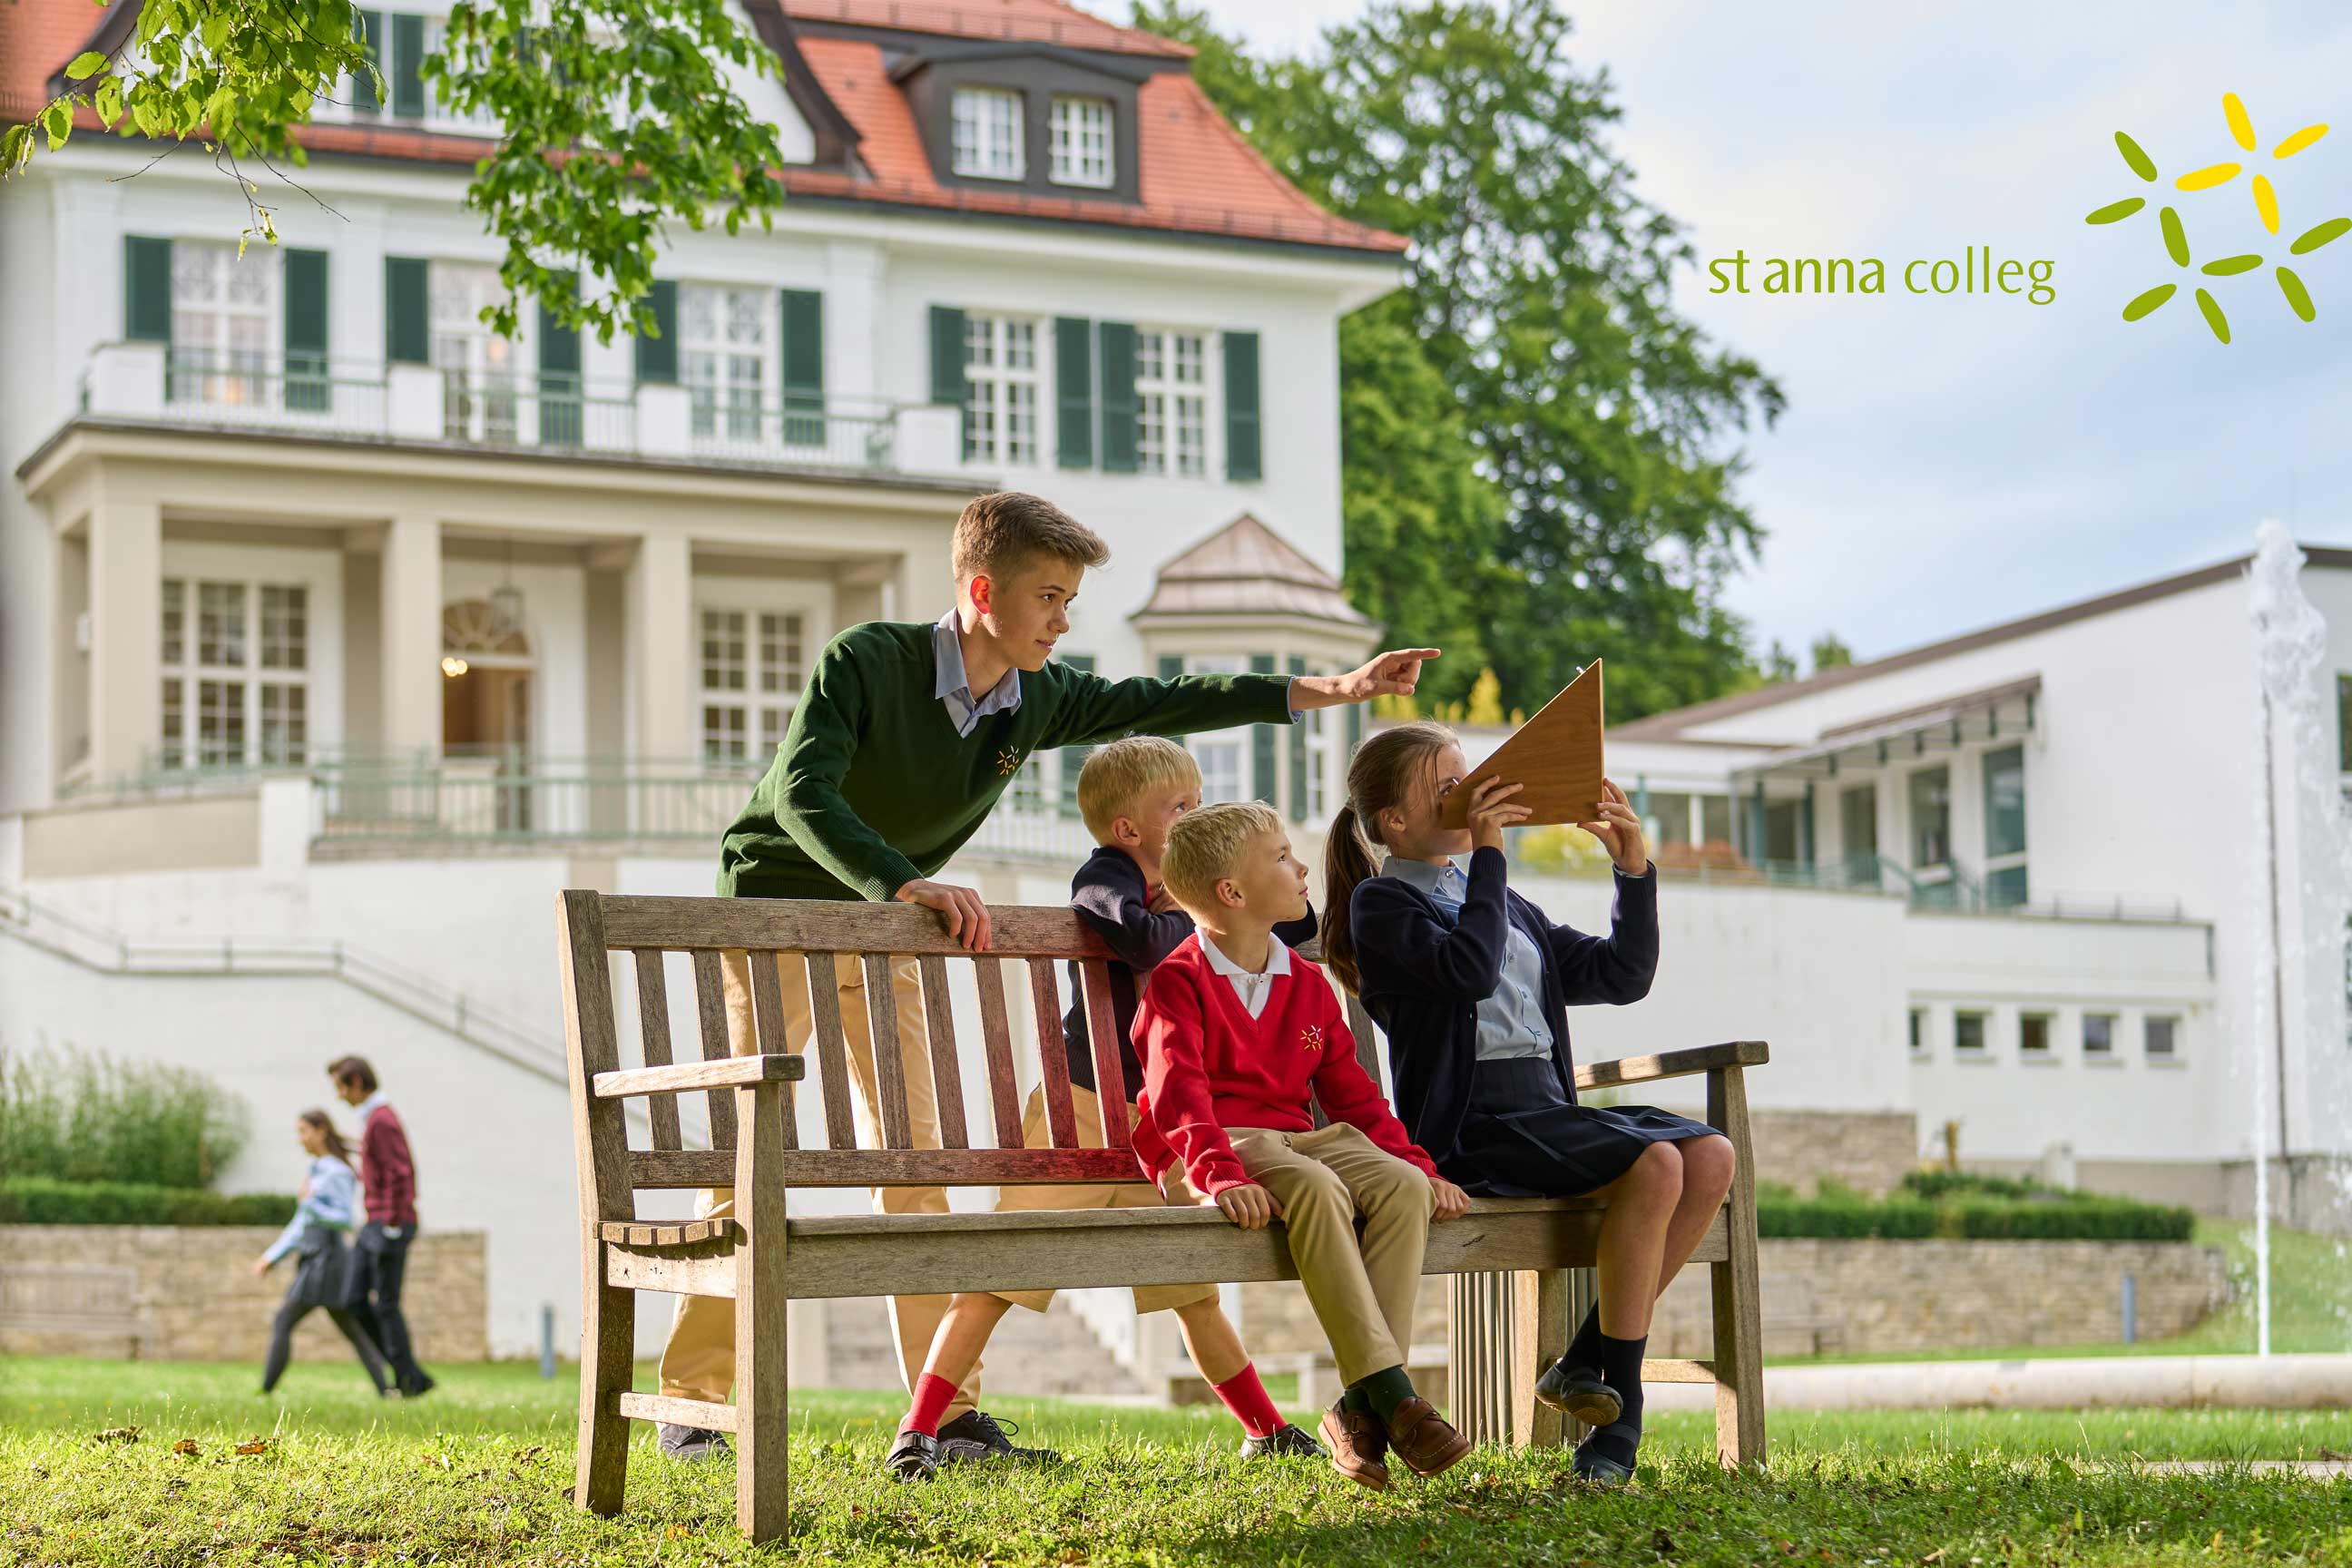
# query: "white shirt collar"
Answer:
x=374 y=1103
x=1277 y=958
x=951 y=678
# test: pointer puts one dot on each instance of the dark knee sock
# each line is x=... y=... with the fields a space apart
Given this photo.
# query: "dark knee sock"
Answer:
x=1620 y=1368
x=1381 y=1393
x=1584 y=1354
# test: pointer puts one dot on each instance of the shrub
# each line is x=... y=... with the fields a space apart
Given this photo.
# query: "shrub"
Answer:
x=80 y=1117
x=42 y=1200
x=1966 y=1212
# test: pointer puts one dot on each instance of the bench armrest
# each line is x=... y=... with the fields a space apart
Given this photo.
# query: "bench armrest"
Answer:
x=732 y=1072
x=1673 y=1064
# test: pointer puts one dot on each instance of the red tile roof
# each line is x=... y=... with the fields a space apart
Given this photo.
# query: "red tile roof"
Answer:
x=1197 y=176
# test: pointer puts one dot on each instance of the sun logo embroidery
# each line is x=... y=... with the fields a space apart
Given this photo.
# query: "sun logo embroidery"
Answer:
x=1312 y=1037
x=1008 y=762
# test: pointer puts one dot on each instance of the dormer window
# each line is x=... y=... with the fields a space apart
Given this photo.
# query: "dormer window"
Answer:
x=1082 y=142
x=988 y=134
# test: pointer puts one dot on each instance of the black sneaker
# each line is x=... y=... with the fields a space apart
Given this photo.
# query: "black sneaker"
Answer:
x=1287 y=1442
x=977 y=1434
x=1605 y=1456
x=416 y=1387
x=1578 y=1394
x=693 y=1443
x=915 y=1457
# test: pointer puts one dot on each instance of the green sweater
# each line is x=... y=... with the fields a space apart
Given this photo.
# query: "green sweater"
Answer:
x=872 y=788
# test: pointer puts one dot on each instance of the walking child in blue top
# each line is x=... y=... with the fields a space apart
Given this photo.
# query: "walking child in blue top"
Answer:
x=327 y=1208
x=1471 y=982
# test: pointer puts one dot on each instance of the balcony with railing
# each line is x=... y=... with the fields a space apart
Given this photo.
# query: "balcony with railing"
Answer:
x=151 y=385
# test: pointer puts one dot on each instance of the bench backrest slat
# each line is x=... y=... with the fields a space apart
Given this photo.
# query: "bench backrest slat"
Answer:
x=711 y=1016
x=599 y=1133
x=832 y=1045
x=890 y=1066
x=947 y=1074
x=653 y=1021
x=996 y=1037
x=1045 y=1005
x=767 y=1023
x=1102 y=1033
x=793 y=925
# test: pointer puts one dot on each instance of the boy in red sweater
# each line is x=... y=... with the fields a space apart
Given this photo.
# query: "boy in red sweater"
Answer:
x=1236 y=1032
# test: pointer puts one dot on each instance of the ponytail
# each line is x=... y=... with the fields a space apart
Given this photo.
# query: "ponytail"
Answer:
x=1383 y=772
x=334 y=1139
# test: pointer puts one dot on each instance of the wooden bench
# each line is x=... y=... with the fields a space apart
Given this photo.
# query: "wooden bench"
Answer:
x=762 y=1258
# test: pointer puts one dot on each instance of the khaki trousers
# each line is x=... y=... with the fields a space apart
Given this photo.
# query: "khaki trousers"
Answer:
x=698 y=1363
x=1362 y=1291
x=1067 y=1196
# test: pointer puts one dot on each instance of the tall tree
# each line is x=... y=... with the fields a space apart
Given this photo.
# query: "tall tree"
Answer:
x=1539 y=291
x=618 y=118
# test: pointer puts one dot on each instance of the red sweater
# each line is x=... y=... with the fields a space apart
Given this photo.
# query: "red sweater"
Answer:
x=387 y=1170
x=1208 y=1066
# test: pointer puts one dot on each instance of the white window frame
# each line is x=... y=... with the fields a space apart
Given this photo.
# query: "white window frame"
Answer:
x=318 y=576
x=1085 y=142
x=1212 y=748
x=2147 y=1042
x=1983 y=1047
x=2115 y=1024
x=734 y=382
x=1171 y=402
x=1324 y=732
x=752 y=719
x=988 y=134
x=227 y=368
x=485 y=379
x=1003 y=399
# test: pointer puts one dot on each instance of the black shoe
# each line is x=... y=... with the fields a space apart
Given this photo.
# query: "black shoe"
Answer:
x=977 y=1434
x=693 y=1443
x=1605 y=1456
x=1286 y=1442
x=915 y=1457
x=416 y=1387
x=1578 y=1394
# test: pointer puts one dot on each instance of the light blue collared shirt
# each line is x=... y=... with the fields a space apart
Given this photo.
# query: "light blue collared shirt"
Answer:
x=953 y=686
x=334 y=1203
x=1511 y=1019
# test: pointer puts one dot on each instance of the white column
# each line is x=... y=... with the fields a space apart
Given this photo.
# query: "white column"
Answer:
x=661 y=642
x=411 y=631
x=126 y=635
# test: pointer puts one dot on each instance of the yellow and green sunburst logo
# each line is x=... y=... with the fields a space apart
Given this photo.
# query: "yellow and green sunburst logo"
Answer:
x=2212 y=178
x=1008 y=762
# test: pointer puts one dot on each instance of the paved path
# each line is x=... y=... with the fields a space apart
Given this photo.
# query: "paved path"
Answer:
x=2170 y=1382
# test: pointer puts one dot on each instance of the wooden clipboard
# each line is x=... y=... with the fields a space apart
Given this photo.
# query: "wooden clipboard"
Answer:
x=1555 y=756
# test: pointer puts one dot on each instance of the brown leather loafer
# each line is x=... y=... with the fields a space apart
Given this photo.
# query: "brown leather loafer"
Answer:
x=1358 y=1447
x=1423 y=1439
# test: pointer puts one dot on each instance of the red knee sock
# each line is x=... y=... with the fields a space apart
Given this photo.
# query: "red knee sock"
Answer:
x=933 y=1397
x=1245 y=1396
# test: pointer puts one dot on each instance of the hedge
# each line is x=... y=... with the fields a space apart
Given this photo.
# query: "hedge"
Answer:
x=2049 y=1217
x=41 y=1200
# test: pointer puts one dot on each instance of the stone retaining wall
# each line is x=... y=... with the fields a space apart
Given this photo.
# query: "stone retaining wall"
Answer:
x=187 y=1293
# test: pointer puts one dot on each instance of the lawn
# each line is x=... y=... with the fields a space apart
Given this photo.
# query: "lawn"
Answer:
x=476 y=1474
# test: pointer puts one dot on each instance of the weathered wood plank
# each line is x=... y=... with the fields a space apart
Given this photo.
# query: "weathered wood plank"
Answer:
x=832 y=1048
x=1738 y=1297
x=599 y=1144
x=1672 y=1370
x=890 y=1064
x=711 y=1016
x=652 y=1028
x=939 y=1031
x=763 y=1408
x=680 y=1411
x=1539 y=1331
x=688 y=1233
x=791 y=925
x=688 y=1272
x=996 y=1033
x=895 y=1167
x=686 y=1077
x=1053 y=1055
x=1673 y=1064
x=1110 y=1075
x=767 y=1023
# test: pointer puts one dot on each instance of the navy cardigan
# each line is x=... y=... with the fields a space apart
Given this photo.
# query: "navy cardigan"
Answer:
x=1422 y=976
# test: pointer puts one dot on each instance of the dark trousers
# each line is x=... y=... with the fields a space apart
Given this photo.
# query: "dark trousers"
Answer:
x=291 y=1311
x=380 y=1260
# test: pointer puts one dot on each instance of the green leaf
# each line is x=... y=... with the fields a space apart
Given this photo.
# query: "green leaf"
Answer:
x=2298 y=297
x=108 y=100
x=2141 y=163
x=2114 y=211
x=2213 y=317
x=2230 y=265
x=2311 y=238
x=57 y=121
x=85 y=65
x=2145 y=303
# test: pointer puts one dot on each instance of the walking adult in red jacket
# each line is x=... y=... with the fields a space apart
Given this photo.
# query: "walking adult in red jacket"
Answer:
x=388 y=1179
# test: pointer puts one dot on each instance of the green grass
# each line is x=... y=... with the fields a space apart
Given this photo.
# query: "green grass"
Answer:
x=2311 y=1308
x=476 y=1474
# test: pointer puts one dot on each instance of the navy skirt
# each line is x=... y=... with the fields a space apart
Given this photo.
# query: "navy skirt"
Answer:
x=1522 y=1137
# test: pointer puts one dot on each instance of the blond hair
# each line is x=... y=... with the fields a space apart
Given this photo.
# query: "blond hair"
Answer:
x=1117 y=776
x=1205 y=846
x=1002 y=531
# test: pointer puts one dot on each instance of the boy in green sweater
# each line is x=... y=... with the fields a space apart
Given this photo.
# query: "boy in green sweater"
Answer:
x=903 y=739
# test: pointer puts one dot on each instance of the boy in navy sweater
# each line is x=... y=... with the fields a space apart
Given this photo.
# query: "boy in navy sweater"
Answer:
x=1130 y=793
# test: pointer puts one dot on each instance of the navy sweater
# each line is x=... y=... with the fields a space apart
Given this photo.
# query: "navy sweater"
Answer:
x=1109 y=892
x=1422 y=976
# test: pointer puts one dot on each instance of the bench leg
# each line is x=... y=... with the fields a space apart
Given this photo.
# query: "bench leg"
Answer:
x=1539 y=1333
x=608 y=1324
x=762 y=1402
x=1739 y=1299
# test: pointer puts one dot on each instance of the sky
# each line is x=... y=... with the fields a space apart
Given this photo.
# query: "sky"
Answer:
x=1948 y=461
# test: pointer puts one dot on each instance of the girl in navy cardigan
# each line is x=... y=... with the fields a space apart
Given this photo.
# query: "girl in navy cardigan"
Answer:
x=1471 y=982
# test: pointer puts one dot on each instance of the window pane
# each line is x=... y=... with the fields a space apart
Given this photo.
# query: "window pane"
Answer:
x=1082 y=142
x=2033 y=1034
x=2161 y=1036
x=285 y=722
x=220 y=624
x=220 y=722
x=1931 y=817
x=2004 y=778
x=780 y=654
x=986 y=132
x=2006 y=888
x=1021 y=422
x=722 y=650
x=175 y=722
x=722 y=733
x=2344 y=722
x=285 y=628
x=1191 y=438
x=1918 y=1029
x=1858 y=823
x=1714 y=820
x=1151 y=433
x=1968 y=1031
x=2099 y=1033
x=176 y=620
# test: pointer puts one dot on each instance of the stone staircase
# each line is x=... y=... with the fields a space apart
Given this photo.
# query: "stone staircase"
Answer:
x=1048 y=1356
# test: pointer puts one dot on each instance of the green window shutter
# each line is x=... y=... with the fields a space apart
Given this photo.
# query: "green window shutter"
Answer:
x=1172 y=665
x=1298 y=755
x=370 y=25
x=307 y=386
x=146 y=289
x=1355 y=732
x=407 y=321
x=658 y=352
x=1262 y=742
x=559 y=410
x=1074 y=391
x=946 y=355
x=1074 y=758
x=804 y=367
x=407 y=54
x=1244 y=460
x=1118 y=396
